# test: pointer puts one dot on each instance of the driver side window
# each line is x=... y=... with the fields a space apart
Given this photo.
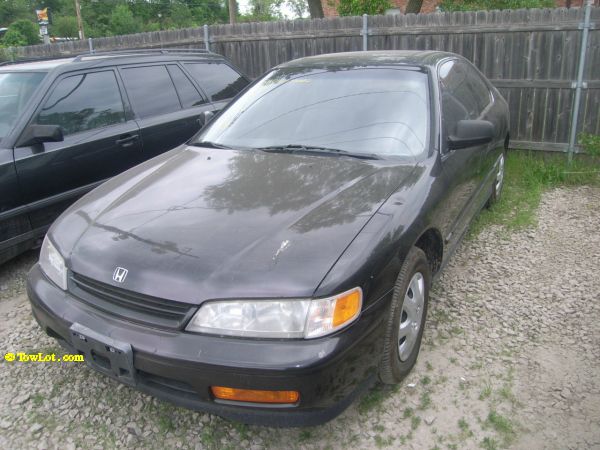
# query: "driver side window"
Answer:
x=463 y=96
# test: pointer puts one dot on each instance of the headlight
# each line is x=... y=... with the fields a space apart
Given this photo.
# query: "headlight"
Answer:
x=278 y=318
x=53 y=264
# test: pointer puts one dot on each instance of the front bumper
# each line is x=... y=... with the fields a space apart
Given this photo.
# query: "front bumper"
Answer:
x=180 y=367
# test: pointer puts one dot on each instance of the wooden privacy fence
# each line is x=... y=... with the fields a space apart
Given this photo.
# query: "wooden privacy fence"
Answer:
x=532 y=56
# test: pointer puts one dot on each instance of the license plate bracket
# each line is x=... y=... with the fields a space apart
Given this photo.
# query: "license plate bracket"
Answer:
x=104 y=354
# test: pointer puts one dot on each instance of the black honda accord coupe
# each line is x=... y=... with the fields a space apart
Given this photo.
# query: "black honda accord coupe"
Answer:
x=280 y=262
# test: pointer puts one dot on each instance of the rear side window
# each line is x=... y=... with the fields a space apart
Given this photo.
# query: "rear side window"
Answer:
x=218 y=79
x=84 y=102
x=150 y=90
x=188 y=94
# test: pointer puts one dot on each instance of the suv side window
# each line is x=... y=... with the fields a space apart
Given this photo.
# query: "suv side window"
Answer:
x=188 y=94
x=84 y=102
x=150 y=90
x=464 y=95
x=218 y=80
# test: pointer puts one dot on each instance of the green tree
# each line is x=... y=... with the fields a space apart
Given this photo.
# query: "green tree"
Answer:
x=264 y=10
x=65 y=26
x=122 y=21
x=472 y=5
x=27 y=29
x=13 y=10
x=181 y=16
x=360 y=7
x=12 y=38
x=299 y=7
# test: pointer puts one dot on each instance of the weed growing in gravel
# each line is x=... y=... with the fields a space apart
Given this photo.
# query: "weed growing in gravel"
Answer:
x=425 y=401
x=465 y=430
x=371 y=400
x=428 y=366
x=486 y=391
x=502 y=425
x=304 y=435
x=425 y=380
x=527 y=176
x=407 y=413
x=381 y=442
x=415 y=421
x=489 y=443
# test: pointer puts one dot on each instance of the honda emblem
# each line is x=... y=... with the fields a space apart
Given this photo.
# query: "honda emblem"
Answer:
x=120 y=274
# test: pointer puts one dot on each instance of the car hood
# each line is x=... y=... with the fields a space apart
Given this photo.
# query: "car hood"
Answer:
x=211 y=223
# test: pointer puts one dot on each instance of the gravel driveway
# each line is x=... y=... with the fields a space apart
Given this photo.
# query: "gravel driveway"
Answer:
x=511 y=358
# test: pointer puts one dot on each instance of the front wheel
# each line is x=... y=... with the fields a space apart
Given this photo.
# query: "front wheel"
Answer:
x=498 y=181
x=406 y=318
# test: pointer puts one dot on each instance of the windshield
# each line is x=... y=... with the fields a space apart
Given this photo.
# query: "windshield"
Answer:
x=15 y=90
x=365 y=110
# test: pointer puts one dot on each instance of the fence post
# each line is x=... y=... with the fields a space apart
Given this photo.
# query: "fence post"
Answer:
x=206 y=40
x=365 y=32
x=579 y=83
x=91 y=44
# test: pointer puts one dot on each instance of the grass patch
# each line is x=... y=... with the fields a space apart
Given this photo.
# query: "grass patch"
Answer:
x=415 y=421
x=527 y=176
x=486 y=391
x=382 y=442
x=489 y=443
x=425 y=400
x=371 y=400
x=502 y=425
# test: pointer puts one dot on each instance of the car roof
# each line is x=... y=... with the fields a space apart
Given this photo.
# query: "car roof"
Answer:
x=412 y=58
x=100 y=59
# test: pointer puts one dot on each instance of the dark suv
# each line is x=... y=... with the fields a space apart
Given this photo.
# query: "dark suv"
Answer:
x=67 y=125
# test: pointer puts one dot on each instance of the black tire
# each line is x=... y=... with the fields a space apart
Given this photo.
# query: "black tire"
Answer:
x=496 y=193
x=392 y=369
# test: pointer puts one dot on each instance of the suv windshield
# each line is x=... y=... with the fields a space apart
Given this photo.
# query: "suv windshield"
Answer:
x=381 y=111
x=15 y=90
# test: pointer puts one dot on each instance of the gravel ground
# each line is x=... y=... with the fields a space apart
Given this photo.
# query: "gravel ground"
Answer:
x=511 y=358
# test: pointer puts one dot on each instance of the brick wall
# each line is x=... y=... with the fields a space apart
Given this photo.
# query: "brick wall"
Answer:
x=329 y=6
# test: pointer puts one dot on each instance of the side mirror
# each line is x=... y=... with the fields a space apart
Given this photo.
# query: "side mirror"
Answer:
x=470 y=133
x=206 y=117
x=38 y=134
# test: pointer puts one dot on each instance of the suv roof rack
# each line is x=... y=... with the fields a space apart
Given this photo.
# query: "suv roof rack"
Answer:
x=111 y=53
x=142 y=51
x=26 y=60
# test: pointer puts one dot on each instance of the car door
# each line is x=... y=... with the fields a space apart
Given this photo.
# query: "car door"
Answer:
x=100 y=141
x=462 y=168
x=14 y=221
x=168 y=107
x=218 y=80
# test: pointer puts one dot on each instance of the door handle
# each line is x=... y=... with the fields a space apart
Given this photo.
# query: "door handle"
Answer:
x=127 y=141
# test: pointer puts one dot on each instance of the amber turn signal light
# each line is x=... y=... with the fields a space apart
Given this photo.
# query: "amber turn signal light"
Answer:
x=347 y=307
x=254 y=396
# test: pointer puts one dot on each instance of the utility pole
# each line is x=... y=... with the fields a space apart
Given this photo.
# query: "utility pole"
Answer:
x=232 y=10
x=79 y=21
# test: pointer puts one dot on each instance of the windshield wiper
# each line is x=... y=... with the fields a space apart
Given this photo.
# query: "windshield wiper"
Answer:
x=291 y=148
x=209 y=144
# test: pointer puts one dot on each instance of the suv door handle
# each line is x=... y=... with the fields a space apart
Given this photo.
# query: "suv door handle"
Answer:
x=127 y=140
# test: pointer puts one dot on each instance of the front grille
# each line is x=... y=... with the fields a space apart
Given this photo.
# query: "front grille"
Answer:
x=130 y=305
